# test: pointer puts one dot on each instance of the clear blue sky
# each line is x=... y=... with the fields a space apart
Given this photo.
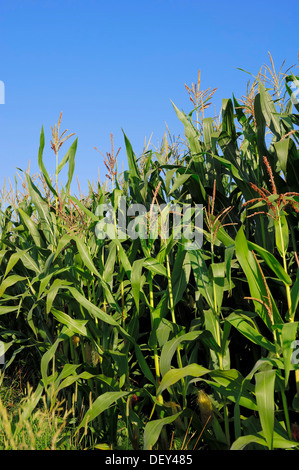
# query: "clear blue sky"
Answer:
x=113 y=65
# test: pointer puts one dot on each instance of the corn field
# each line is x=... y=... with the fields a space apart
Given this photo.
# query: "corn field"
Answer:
x=150 y=344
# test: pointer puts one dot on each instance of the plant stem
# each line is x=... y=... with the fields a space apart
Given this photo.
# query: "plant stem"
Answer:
x=171 y=303
x=286 y=413
x=218 y=339
x=217 y=317
x=56 y=180
x=152 y=304
x=288 y=290
x=291 y=319
x=156 y=356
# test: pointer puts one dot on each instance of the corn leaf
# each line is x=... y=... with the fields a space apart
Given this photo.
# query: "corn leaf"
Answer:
x=153 y=430
x=174 y=375
x=239 y=322
x=43 y=211
x=102 y=403
x=264 y=391
x=41 y=163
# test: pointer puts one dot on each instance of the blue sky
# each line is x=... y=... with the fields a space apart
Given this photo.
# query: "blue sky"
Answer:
x=116 y=65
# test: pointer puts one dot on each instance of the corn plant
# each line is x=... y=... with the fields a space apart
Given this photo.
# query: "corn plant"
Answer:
x=186 y=348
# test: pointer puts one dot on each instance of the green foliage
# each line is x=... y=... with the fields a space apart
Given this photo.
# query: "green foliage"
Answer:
x=137 y=331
